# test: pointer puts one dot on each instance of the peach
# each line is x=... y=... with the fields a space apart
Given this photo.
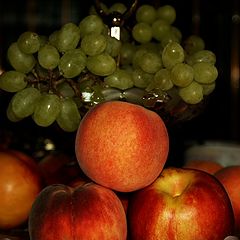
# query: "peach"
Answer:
x=230 y=178
x=122 y=146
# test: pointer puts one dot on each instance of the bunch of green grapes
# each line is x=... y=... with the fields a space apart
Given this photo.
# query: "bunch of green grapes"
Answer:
x=56 y=78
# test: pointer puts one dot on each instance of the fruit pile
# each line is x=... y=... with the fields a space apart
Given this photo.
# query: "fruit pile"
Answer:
x=123 y=189
x=57 y=78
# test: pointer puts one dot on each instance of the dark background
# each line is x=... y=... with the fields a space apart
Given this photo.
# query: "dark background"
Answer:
x=217 y=22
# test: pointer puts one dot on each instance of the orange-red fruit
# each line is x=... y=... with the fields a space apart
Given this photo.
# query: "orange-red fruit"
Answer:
x=121 y=145
x=183 y=204
x=20 y=183
x=230 y=178
x=87 y=212
x=204 y=165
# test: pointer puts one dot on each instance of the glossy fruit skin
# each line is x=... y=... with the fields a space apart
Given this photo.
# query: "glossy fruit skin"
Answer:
x=86 y=212
x=20 y=184
x=181 y=204
x=230 y=178
x=121 y=145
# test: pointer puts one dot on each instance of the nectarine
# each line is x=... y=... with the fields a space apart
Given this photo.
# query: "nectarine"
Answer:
x=230 y=178
x=183 y=204
x=88 y=212
x=121 y=145
x=20 y=183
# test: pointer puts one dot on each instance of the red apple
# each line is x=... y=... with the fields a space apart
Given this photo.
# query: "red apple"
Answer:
x=208 y=166
x=121 y=145
x=90 y=211
x=20 y=183
x=183 y=204
x=230 y=178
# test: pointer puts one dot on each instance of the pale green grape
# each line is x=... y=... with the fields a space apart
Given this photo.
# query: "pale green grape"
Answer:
x=160 y=28
x=140 y=78
x=208 y=88
x=93 y=44
x=25 y=101
x=126 y=53
x=192 y=94
x=72 y=63
x=43 y=40
x=20 y=61
x=120 y=79
x=53 y=38
x=12 y=81
x=113 y=47
x=48 y=57
x=91 y=24
x=172 y=54
x=68 y=37
x=146 y=13
x=201 y=56
x=69 y=117
x=205 y=73
x=101 y=65
x=169 y=37
x=182 y=74
x=11 y=115
x=167 y=13
x=118 y=7
x=142 y=32
x=47 y=109
x=29 y=42
x=177 y=32
x=162 y=79
x=138 y=55
x=65 y=89
x=150 y=62
x=193 y=44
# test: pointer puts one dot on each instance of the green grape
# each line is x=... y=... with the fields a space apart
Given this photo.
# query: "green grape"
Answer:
x=118 y=7
x=68 y=37
x=11 y=115
x=29 y=42
x=25 y=101
x=69 y=117
x=205 y=73
x=53 y=38
x=48 y=57
x=201 y=56
x=142 y=32
x=113 y=47
x=163 y=79
x=167 y=13
x=120 y=79
x=193 y=44
x=150 y=62
x=177 y=32
x=47 y=109
x=91 y=24
x=93 y=44
x=146 y=13
x=169 y=37
x=72 y=63
x=192 y=94
x=182 y=74
x=20 y=61
x=150 y=47
x=126 y=53
x=43 y=40
x=13 y=81
x=101 y=65
x=160 y=28
x=140 y=78
x=172 y=54
x=65 y=89
x=208 y=88
x=138 y=55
